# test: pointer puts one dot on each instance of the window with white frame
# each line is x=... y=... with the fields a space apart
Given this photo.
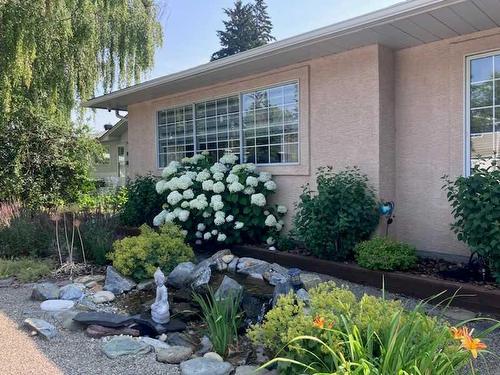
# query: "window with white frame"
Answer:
x=175 y=134
x=264 y=131
x=483 y=102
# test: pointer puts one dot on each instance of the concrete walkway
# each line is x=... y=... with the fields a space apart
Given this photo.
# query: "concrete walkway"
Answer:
x=19 y=354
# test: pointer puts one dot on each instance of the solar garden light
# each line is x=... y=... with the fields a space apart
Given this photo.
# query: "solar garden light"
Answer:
x=387 y=209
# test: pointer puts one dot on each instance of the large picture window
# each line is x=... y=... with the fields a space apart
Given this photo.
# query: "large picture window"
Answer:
x=262 y=125
x=483 y=102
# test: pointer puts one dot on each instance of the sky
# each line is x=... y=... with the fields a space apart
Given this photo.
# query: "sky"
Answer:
x=190 y=27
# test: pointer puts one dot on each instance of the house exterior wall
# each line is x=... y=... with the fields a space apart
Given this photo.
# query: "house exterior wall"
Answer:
x=109 y=171
x=398 y=115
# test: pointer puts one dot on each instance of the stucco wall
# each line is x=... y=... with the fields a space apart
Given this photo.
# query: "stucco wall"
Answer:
x=103 y=171
x=429 y=115
x=398 y=115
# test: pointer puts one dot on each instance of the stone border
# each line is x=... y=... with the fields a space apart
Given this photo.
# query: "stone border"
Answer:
x=472 y=297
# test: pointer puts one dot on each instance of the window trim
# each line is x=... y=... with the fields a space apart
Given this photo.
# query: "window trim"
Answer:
x=467 y=134
x=240 y=94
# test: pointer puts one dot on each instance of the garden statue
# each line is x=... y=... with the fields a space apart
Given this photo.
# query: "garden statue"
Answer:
x=160 y=308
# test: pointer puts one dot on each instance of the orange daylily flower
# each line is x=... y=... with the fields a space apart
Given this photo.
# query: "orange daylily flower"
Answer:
x=319 y=322
x=459 y=333
x=473 y=345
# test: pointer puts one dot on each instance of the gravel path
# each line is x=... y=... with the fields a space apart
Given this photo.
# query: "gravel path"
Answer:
x=74 y=353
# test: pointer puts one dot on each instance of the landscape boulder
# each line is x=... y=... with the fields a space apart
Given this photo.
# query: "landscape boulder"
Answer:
x=45 y=291
x=205 y=366
x=181 y=275
x=117 y=283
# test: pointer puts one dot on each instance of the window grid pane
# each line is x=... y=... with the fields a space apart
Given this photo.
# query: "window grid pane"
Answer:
x=175 y=134
x=270 y=125
x=484 y=109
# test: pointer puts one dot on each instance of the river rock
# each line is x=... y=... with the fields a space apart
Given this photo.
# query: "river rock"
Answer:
x=275 y=278
x=181 y=275
x=97 y=331
x=228 y=287
x=201 y=278
x=117 y=283
x=72 y=291
x=45 y=291
x=303 y=296
x=65 y=318
x=124 y=345
x=228 y=258
x=56 y=305
x=214 y=356
x=252 y=370
x=103 y=297
x=206 y=346
x=154 y=343
x=173 y=354
x=179 y=339
x=248 y=266
x=310 y=280
x=90 y=278
x=205 y=366
x=42 y=327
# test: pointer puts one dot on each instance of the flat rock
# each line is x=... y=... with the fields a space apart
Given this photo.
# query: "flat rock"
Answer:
x=179 y=339
x=181 y=275
x=252 y=370
x=280 y=269
x=72 y=291
x=103 y=296
x=117 y=283
x=56 y=305
x=310 y=280
x=103 y=319
x=90 y=278
x=249 y=266
x=274 y=278
x=5 y=282
x=149 y=327
x=227 y=288
x=45 y=291
x=173 y=354
x=228 y=258
x=458 y=314
x=42 y=327
x=154 y=343
x=123 y=345
x=96 y=331
x=65 y=318
x=205 y=366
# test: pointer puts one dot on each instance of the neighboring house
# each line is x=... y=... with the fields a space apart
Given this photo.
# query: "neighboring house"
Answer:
x=408 y=93
x=114 y=166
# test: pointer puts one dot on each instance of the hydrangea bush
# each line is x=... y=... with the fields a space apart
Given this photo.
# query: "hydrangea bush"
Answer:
x=222 y=202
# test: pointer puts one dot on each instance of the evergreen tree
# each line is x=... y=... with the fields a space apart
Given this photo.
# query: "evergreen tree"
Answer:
x=248 y=26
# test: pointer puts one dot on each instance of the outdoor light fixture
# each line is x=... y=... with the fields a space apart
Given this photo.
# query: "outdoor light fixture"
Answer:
x=387 y=209
x=294 y=276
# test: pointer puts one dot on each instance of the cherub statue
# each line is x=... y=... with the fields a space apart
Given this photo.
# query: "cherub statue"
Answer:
x=160 y=308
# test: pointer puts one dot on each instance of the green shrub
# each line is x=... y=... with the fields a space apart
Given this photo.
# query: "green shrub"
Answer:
x=104 y=201
x=143 y=202
x=222 y=318
x=285 y=243
x=139 y=256
x=385 y=254
x=291 y=318
x=28 y=234
x=475 y=202
x=98 y=234
x=25 y=269
x=340 y=214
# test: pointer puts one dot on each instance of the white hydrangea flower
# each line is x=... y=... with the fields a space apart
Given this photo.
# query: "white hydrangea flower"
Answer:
x=203 y=175
x=252 y=181
x=170 y=217
x=282 y=209
x=188 y=194
x=183 y=215
x=161 y=186
x=266 y=212
x=170 y=169
x=207 y=185
x=270 y=241
x=207 y=236
x=279 y=226
x=238 y=225
x=218 y=176
x=214 y=232
x=198 y=234
x=250 y=167
x=184 y=182
x=249 y=190
x=264 y=176
x=200 y=202
x=160 y=218
x=217 y=205
x=185 y=204
x=232 y=178
x=229 y=218
x=270 y=221
x=221 y=237
x=258 y=199
x=174 y=197
x=196 y=158
x=206 y=214
x=184 y=232
x=218 y=167
x=186 y=160
x=229 y=158
x=221 y=214
x=218 y=187
x=201 y=227
x=235 y=187
x=270 y=185
x=219 y=220
x=191 y=174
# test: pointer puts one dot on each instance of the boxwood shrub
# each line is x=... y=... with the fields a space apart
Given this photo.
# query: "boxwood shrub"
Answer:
x=385 y=254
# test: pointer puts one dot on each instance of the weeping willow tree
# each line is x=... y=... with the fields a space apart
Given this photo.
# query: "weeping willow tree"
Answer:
x=54 y=54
